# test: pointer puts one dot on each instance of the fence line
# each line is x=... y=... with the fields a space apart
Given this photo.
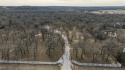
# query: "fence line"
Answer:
x=27 y=62
x=118 y=65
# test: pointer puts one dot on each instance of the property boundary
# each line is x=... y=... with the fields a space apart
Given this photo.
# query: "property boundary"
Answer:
x=118 y=65
x=27 y=62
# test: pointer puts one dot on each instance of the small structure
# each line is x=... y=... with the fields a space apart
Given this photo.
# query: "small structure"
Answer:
x=110 y=33
x=124 y=50
x=119 y=25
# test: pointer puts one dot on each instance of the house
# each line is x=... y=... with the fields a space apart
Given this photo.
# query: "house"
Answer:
x=124 y=50
x=110 y=33
x=120 y=25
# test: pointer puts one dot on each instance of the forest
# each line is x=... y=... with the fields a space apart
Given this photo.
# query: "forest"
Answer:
x=93 y=38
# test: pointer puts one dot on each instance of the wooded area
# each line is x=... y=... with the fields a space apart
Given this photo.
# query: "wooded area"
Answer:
x=94 y=38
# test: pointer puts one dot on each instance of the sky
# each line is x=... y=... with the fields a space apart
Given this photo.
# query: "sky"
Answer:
x=62 y=2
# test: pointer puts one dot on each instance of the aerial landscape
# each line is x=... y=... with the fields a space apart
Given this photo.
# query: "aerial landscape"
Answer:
x=60 y=35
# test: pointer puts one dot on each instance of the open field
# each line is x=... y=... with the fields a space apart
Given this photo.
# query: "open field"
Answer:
x=109 y=12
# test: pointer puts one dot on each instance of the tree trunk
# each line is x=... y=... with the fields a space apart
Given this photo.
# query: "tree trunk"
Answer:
x=21 y=52
x=34 y=53
x=101 y=51
x=103 y=56
x=48 y=52
x=93 y=58
x=82 y=54
x=107 y=57
x=62 y=48
x=76 y=53
x=7 y=54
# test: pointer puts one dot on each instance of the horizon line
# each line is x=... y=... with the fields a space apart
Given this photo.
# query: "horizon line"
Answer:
x=56 y=6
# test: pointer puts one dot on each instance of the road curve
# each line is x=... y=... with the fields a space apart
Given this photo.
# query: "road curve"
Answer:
x=65 y=59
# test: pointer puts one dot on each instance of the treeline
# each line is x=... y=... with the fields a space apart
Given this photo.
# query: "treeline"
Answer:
x=20 y=28
x=32 y=19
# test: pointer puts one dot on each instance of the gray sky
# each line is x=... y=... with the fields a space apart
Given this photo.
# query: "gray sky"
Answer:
x=62 y=2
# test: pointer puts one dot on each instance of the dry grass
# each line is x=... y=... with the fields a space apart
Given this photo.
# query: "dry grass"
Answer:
x=28 y=67
x=12 y=42
x=49 y=67
x=75 y=67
